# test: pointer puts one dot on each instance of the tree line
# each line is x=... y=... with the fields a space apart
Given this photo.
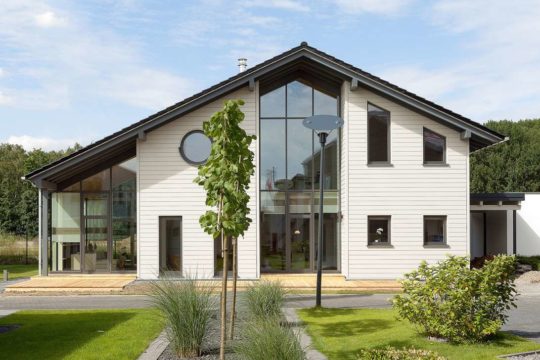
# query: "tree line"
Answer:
x=18 y=198
x=513 y=166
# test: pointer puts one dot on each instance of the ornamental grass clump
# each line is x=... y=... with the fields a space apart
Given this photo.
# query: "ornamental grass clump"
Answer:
x=449 y=300
x=270 y=341
x=187 y=308
x=264 y=301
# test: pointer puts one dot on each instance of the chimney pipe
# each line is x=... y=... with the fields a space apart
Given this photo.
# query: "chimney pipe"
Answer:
x=242 y=64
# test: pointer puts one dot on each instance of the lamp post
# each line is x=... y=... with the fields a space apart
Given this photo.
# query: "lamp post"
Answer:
x=323 y=126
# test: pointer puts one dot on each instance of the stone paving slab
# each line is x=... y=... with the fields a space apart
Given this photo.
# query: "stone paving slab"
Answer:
x=305 y=340
x=6 y=312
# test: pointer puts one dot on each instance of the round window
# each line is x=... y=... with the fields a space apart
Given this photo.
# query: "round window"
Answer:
x=195 y=147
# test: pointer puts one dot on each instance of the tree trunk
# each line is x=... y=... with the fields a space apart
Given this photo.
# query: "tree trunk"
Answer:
x=223 y=307
x=235 y=278
x=225 y=247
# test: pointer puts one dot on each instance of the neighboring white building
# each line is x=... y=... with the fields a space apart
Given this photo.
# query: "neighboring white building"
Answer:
x=506 y=223
x=397 y=181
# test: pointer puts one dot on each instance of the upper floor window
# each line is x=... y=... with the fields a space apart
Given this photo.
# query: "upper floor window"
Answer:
x=378 y=135
x=290 y=152
x=434 y=148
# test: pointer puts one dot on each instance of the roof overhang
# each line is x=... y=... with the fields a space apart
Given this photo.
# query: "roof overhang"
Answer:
x=496 y=201
x=478 y=135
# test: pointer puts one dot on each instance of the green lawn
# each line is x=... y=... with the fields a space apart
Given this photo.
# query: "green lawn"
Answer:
x=340 y=333
x=19 y=271
x=80 y=334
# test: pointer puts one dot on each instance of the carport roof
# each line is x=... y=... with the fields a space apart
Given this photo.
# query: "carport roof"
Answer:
x=506 y=196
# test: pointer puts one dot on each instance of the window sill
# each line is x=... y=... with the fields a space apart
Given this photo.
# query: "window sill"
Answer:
x=436 y=246
x=380 y=165
x=377 y=246
x=436 y=165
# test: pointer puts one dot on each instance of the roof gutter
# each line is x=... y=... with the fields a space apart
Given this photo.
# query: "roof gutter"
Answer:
x=506 y=138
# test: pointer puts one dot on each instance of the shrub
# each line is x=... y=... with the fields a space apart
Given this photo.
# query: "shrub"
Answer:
x=18 y=260
x=264 y=300
x=186 y=308
x=449 y=300
x=268 y=340
x=534 y=261
x=390 y=353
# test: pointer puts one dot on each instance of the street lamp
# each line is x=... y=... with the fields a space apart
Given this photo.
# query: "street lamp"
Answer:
x=323 y=126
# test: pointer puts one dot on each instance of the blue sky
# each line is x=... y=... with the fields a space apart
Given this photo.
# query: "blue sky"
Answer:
x=80 y=70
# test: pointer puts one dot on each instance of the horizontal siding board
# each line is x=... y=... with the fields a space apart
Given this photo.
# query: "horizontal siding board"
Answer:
x=407 y=190
x=167 y=189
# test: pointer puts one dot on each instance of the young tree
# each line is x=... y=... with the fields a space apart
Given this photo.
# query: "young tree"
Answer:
x=225 y=177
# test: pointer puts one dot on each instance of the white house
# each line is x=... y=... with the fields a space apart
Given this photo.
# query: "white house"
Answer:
x=396 y=181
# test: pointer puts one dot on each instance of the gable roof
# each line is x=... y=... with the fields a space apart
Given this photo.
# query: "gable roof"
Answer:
x=480 y=136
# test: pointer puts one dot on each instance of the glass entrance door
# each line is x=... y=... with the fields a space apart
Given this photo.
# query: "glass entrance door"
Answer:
x=96 y=244
x=287 y=236
x=300 y=244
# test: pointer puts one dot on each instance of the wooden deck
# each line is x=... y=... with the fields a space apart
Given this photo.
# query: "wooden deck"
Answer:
x=332 y=282
x=72 y=283
x=123 y=284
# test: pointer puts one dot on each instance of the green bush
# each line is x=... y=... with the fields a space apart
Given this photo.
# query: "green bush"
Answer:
x=268 y=340
x=186 y=307
x=390 y=353
x=451 y=301
x=264 y=300
x=534 y=261
x=17 y=260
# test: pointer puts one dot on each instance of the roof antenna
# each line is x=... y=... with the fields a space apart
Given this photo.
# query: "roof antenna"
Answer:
x=242 y=64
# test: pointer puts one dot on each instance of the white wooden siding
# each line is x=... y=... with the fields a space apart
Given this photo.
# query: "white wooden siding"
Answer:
x=166 y=188
x=406 y=191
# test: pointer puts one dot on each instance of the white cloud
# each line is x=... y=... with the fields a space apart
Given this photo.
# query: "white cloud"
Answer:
x=45 y=143
x=2 y=72
x=381 y=7
x=148 y=88
x=499 y=75
x=290 y=5
x=49 y=19
x=53 y=69
x=5 y=99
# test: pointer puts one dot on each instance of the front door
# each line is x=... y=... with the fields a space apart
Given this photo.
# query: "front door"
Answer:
x=301 y=256
x=287 y=233
x=95 y=233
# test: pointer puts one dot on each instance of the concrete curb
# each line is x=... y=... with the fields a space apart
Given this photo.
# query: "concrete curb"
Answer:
x=305 y=340
x=156 y=348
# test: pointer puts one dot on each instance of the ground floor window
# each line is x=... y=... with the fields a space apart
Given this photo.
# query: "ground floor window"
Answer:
x=170 y=245
x=378 y=230
x=434 y=230
x=93 y=222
